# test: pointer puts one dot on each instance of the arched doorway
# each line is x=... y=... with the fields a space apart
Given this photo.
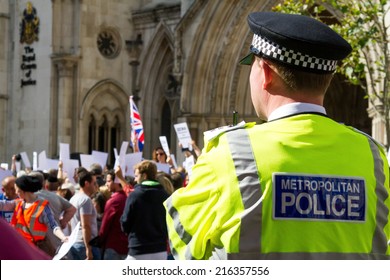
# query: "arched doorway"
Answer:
x=104 y=124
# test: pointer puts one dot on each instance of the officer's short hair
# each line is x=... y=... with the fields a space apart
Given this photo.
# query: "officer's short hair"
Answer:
x=296 y=80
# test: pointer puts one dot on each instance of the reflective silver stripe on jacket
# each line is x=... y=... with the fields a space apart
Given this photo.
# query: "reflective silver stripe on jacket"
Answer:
x=184 y=236
x=249 y=184
x=379 y=240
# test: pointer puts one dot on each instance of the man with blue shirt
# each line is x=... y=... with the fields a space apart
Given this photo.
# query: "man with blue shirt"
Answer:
x=300 y=186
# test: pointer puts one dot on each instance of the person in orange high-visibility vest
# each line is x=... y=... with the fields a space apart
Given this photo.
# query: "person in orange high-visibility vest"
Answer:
x=32 y=216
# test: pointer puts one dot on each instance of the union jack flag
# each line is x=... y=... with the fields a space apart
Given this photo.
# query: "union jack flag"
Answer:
x=137 y=130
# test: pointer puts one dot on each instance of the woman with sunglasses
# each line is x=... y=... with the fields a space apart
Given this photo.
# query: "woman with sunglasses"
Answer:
x=159 y=155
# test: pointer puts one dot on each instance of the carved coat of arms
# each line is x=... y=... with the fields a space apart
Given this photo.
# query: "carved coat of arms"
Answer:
x=29 y=27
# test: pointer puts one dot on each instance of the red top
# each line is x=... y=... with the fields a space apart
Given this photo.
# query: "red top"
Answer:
x=128 y=189
x=110 y=231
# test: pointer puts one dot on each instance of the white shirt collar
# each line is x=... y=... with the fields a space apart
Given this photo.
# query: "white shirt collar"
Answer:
x=295 y=108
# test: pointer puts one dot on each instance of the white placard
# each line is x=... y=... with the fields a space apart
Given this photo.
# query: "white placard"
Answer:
x=183 y=135
x=42 y=161
x=86 y=160
x=163 y=167
x=188 y=164
x=18 y=166
x=35 y=161
x=100 y=157
x=65 y=247
x=4 y=165
x=121 y=158
x=123 y=149
x=68 y=167
x=164 y=144
x=25 y=159
x=131 y=160
x=64 y=151
x=174 y=160
x=52 y=163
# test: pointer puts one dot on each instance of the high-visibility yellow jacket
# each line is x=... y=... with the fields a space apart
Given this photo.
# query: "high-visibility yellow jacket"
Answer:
x=301 y=187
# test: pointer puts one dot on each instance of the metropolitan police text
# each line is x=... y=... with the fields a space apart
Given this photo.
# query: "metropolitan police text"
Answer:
x=341 y=197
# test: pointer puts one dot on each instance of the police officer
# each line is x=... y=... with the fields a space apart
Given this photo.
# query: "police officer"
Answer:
x=300 y=186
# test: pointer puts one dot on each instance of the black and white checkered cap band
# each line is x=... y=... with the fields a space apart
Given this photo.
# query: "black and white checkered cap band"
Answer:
x=273 y=50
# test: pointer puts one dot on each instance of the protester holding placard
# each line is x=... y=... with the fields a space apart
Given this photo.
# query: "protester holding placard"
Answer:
x=112 y=240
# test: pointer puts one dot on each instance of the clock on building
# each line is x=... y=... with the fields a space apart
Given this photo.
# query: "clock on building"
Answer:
x=108 y=43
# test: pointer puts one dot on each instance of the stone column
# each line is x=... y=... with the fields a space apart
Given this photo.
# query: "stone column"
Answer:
x=4 y=76
x=66 y=81
x=378 y=124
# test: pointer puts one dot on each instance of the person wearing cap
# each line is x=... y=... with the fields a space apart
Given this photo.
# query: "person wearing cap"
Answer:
x=68 y=186
x=300 y=186
x=33 y=217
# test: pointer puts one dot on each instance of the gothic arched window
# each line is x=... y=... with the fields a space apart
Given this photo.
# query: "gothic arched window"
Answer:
x=104 y=136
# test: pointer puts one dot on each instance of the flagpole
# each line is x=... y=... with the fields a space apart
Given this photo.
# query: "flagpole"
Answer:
x=132 y=132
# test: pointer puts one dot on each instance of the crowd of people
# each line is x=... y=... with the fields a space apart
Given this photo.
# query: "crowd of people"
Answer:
x=116 y=217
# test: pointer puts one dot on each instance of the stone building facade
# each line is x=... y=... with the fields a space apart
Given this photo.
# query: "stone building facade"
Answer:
x=179 y=59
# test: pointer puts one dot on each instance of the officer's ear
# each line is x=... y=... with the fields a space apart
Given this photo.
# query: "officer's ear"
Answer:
x=267 y=74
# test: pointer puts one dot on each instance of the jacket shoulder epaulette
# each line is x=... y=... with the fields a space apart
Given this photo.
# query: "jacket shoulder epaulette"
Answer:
x=211 y=135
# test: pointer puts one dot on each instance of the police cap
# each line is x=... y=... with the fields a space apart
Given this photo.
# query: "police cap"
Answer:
x=294 y=40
